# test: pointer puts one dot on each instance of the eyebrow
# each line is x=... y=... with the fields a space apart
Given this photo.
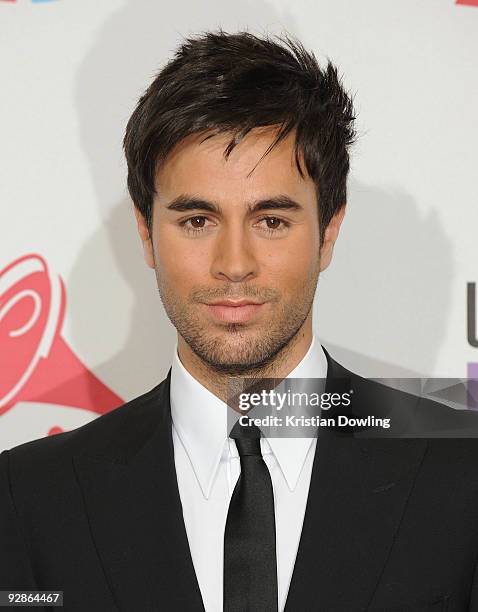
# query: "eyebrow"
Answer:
x=184 y=203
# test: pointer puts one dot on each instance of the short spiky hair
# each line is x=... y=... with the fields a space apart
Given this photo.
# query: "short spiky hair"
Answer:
x=231 y=83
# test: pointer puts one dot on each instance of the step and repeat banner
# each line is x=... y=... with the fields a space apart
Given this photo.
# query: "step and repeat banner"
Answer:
x=82 y=328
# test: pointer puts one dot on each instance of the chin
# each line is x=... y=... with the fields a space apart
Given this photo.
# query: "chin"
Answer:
x=225 y=349
x=235 y=334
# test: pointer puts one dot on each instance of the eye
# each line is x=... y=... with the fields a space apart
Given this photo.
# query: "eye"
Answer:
x=194 y=228
x=278 y=225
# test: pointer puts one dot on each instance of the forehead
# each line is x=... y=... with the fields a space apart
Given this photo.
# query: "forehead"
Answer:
x=197 y=166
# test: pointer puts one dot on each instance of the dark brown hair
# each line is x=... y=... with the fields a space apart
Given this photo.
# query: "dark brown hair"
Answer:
x=231 y=83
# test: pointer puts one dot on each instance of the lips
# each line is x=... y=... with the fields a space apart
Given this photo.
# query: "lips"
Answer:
x=235 y=303
x=239 y=311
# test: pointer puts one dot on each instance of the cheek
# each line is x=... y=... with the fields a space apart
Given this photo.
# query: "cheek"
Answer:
x=292 y=264
x=180 y=263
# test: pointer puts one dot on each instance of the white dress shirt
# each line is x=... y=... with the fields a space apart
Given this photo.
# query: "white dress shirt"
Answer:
x=208 y=466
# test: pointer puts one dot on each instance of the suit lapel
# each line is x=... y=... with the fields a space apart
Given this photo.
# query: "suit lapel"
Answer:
x=135 y=514
x=358 y=492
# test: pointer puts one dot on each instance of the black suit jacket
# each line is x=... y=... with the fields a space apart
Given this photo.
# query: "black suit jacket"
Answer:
x=390 y=524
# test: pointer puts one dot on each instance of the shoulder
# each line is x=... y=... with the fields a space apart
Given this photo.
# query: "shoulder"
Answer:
x=109 y=433
x=447 y=430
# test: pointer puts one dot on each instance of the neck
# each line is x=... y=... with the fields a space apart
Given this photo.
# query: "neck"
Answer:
x=221 y=384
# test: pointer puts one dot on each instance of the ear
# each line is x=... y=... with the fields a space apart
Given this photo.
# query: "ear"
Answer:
x=330 y=236
x=145 y=238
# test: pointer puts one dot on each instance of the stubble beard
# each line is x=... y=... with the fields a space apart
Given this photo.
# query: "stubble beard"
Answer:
x=241 y=349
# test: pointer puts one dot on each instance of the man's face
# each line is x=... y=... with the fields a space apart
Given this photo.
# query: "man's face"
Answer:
x=221 y=233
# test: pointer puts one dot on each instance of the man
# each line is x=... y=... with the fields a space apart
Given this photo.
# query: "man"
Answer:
x=237 y=166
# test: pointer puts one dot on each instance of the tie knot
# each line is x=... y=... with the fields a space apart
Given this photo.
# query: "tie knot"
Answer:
x=248 y=439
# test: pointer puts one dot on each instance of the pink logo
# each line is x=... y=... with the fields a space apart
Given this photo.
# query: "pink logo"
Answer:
x=468 y=2
x=36 y=364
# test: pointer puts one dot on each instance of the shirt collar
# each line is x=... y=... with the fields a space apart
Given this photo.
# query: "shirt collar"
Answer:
x=200 y=420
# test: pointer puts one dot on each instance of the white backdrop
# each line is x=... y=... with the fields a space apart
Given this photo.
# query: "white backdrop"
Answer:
x=89 y=327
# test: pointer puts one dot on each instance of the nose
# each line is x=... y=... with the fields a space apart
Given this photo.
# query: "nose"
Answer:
x=233 y=255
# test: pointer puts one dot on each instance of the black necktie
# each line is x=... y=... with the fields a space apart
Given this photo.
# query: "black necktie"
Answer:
x=250 y=568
